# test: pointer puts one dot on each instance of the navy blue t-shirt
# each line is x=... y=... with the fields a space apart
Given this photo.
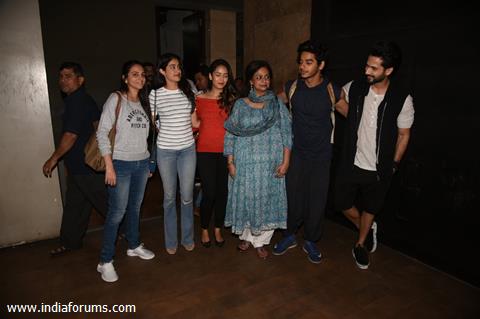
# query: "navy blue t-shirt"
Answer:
x=80 y=113
x=311 y=122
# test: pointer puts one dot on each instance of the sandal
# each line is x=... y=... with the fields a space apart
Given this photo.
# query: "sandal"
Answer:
x=262 y=252
x=243 y=246
x=219 y=243
x=218 y=234
x=59 y=251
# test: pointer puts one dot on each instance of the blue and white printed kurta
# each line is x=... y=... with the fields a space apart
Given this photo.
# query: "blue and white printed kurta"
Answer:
x=256 y=198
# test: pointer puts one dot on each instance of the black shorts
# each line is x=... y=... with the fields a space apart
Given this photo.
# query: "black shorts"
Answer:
x=362 y=185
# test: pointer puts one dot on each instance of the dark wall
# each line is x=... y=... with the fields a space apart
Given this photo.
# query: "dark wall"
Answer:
x=432 y=209
x=101 y=35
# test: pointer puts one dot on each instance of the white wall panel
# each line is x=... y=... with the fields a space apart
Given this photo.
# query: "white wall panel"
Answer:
x=30 y=204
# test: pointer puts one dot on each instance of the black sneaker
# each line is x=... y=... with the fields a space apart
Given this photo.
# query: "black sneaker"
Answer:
x=371 y=240
x=360 y=254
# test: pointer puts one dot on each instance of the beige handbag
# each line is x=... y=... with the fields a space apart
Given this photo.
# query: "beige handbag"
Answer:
x=93 y=157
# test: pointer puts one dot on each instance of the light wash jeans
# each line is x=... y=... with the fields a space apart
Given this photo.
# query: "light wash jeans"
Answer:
x=124 y=199
x=170 y=164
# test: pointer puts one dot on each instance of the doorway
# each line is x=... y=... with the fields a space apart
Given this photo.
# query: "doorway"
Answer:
x=182 y=32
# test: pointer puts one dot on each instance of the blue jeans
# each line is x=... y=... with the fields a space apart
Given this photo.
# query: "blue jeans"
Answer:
x=125 y=199
x=170 y=164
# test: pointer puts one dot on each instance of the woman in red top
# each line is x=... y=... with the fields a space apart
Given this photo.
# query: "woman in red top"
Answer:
x=212 y=109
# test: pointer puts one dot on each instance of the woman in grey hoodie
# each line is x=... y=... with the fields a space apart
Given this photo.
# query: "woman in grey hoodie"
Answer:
x=126 y=163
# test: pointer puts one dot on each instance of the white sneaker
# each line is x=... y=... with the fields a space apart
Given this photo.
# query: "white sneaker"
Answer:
x=140 y=252
x=108 y=272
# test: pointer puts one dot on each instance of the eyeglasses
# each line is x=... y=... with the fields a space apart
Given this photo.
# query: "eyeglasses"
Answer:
x=262 y=77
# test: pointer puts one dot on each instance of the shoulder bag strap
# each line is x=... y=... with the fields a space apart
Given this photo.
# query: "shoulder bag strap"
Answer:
x=117 y=113
x=117 y=109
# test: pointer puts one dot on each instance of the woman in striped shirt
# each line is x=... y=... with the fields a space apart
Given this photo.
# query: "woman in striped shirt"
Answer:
x=172 y=106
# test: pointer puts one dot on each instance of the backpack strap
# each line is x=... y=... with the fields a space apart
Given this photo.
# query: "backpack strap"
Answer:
x=331 y=94
x=293 y=87
x=333 y=100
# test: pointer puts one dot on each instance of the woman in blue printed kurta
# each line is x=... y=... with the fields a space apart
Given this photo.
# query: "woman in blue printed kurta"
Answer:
x=257 y=144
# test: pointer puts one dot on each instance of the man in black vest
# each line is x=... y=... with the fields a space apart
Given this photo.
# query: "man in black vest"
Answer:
x=379 y=117
x=85 y=188
x=311 y=97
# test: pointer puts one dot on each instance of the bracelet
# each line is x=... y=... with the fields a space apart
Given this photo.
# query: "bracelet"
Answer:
x=229 y=162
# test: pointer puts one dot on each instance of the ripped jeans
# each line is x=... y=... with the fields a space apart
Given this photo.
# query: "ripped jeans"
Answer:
x=170 y=164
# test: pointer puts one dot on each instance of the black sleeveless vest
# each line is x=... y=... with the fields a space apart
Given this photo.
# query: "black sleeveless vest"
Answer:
x=387 y=130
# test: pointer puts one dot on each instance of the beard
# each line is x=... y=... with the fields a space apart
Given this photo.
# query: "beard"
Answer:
x=372 y=80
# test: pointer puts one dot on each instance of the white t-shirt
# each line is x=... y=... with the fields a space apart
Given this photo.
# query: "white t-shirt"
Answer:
x=365 y=156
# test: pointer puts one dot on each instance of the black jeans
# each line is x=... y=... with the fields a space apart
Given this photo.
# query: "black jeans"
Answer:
x=212 y=168
x=83 y=193
x=307 y=189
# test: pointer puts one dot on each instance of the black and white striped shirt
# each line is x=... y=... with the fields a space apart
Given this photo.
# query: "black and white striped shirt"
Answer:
x=175 y=121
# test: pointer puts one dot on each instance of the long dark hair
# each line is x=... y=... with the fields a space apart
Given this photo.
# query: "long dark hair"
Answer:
x=142 y=94
x=183 y=85
x=229 y=93
x=252 y=68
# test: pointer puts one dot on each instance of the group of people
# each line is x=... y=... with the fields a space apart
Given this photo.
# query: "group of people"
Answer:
x=263 y=165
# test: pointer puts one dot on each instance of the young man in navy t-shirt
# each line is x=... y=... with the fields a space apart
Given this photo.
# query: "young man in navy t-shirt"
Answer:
x=311 y=106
